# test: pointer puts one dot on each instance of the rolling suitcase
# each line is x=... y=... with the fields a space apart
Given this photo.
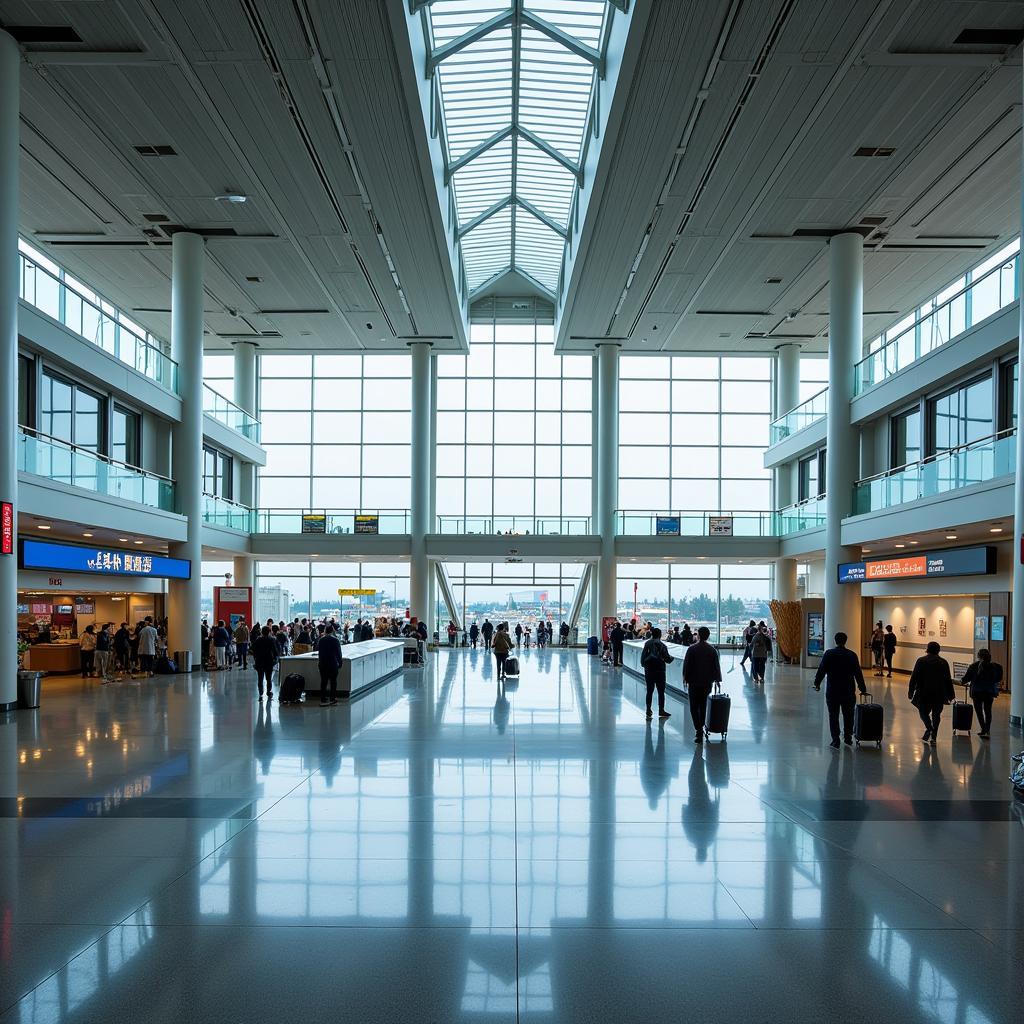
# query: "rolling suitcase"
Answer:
x=592 y=645
x=963 y=715
x=511 y=666
x=291 y=689
x=717 y=716
x=867 y=722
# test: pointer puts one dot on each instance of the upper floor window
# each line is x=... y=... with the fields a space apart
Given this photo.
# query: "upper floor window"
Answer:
x=71 y=413
x=217 y=472
x=124 y=436
x=962 y=415
x=906 y=438
x=812 y=476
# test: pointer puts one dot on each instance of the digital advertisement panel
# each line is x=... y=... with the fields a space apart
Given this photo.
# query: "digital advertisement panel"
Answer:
x=979 y=561
x=42 y=554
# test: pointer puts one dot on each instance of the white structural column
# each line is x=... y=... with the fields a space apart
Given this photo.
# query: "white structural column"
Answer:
x=607 y=476
x=845 y=342
x=184 y=604
x=10 y=64
x=245 y=399
x=787 y=397
x=1017 y=597
x=242 y=575
x=422 y=441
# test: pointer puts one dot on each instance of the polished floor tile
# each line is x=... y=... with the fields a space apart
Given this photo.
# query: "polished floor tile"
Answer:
x=445 y=849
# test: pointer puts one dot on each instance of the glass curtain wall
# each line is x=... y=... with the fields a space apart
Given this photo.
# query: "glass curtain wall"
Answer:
x=723 y=597
x=219 y=374
x=692 y=433
x=337 y=431
x=312 y=588
x=813 y=377
x=513 y=423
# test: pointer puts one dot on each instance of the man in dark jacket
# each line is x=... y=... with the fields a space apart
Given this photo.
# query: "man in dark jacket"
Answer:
x=617 y=636
x=264 y=652
x=653 y=659
x=889 y=648
x=367 y=630
x=931 y=688
x=329 y=662
x=487 y=631
x=841 y=670
x=701 y=670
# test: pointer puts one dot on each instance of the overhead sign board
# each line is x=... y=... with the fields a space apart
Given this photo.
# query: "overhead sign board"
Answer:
x=367 y=524
x=314 y=524
x=44 y=554
x=356 y=592
x=720 y=526
x=979 y=561
x=667 y=526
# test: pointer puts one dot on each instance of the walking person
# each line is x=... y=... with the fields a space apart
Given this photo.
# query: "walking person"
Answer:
x=502 y=644
x=653 y=659
x=487 y=631
x=877 y=646
x=452 y=633
x=241 y=638
x=760 y=652
x=264 y=658
x=702 y=669
x=519 y=634
x=87 y=651
x=122 y=647
x=748 y=636
x=474 y=633
x=888 y=649
x=931 y=688
x=617 y=636
x=147 y=646
x=984 y=678
x=840 y=668
x=329 y=659
x=104 y=647
x=221 y=640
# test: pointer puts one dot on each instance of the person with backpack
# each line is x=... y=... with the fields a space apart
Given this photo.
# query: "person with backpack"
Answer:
x=877 y=646
x=87 y=651
x=702 y=669
x=502 y=645
x=931 y=688
x=453 y=632
x=983 y=678
x=303 y=642
x=241 y=638
x=264 y=657
x=122 y=647
x=519 y=635
x=653 y=659
x=889 y=649
x=329 y=660
x=760 y=652
x=617 y=638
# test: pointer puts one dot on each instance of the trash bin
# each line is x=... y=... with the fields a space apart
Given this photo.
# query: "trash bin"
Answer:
x=30 y=685
x=183 y=659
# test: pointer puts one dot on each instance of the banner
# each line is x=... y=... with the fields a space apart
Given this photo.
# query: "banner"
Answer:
x=367 y=524
x=314 y=524
x=41 y=554
x=667 y=526
x=979 y=561
x=719 y=526
x=356 y=592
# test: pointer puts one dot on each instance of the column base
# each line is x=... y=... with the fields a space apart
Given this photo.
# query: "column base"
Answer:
x=7 y=706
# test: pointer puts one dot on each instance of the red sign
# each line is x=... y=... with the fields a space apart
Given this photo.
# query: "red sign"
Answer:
x=6 y=528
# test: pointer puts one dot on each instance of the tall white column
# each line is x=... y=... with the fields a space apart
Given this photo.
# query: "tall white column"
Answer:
x=607 y=476
x=1017 y=598
x=787 y=378
x=10 y=66
x=422 y=442
x=242 y=575
x=785 y=579
x=184 y=603
x=245 y=398
x=845 y=343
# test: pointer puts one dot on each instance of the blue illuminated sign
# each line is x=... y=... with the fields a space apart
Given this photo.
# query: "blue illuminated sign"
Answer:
x=41 y=554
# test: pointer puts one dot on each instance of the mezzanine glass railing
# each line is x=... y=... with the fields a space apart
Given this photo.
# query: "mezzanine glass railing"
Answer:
x=516 y=526
x=69 y=464
x=95 y=320
x=990 y=293
x=322 y=521
x=813 y=409
x=218 y=511
x=233 y=416
x=973 y=463
x=693 y=524
x=805 y=515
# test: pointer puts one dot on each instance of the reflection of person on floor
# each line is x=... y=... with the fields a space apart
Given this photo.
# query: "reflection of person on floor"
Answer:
x=653 y=776
x=502 y=709
x=264 y=740
x=700 y=813
x=330 y=746
x=927 y=787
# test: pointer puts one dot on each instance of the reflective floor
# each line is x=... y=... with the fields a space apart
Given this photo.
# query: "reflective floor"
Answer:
x=446 y=849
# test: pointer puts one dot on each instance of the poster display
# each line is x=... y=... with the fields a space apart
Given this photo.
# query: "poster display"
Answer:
x=816 y=633
x=719 y=526
x=314 y=523
x=667 y=526
x=981 y=627
x=367 y=524
x=232 y=604
x=998 y=628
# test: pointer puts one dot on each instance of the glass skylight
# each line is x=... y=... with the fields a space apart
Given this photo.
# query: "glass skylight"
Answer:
x=516 y=81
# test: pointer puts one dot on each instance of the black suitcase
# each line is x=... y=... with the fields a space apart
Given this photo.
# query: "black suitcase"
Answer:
x=511 y=666
x=716 y=719
x=868 y=721
x=291 y=688
x=165 y=667
x=963 y=715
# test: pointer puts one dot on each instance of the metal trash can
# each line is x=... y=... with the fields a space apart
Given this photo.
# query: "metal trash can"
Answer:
x=30 y=686
x=183 y=659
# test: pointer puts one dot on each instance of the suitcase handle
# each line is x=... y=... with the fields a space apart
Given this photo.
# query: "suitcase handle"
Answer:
x=865 y=697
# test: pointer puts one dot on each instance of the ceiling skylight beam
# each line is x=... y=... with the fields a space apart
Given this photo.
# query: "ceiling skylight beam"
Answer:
x=541 y=216
x=564 y=39
x=577 y=172
x=476 y=151
x=486 y=215
x=444 y=52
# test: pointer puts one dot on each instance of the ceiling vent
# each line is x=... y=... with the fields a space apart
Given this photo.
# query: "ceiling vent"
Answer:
x=254 y=279
x=156 y=218
x=986 y=37
x=830 y=232
x=874 y=151
x=155 y=150
x=773 y=280
x=872 y=221
x=43 y=33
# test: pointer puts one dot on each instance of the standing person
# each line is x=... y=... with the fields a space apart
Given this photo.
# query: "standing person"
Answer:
x=526 y=637
x=221 y=639
x=931 y=687
x=502 y=644
x=701 y=670
x=87 y=651
x=328 y=655
x=840 y=668
x=687 y=635
x=453 y=632
x=303 y=641
x=563 y=633
x=241 y=637
x=204 y=643
x=877 y=646
x=760 y=652
x=104 y=644
x=617 y=636
x=147 y=646
x=122 y=647
x=519 y=634
x=653 y=659
x=264 y=658
x=748 y=636
x=984 y=678
x=487 y=631
x=889 y=649
x=474 y=632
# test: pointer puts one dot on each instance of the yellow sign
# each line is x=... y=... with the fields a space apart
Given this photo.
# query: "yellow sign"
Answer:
x=356 y=592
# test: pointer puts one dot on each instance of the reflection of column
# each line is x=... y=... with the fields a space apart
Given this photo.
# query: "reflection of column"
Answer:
x=184 y=602
x=419 y=586
x=845 y=342
x=420 y=893
x=601 y=858
x=245 y=398
x=10 y=65
x=1017 y=600
x=607 y=476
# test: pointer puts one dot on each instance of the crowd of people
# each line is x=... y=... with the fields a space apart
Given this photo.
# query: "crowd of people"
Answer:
x=524 y=634
x=107 y=653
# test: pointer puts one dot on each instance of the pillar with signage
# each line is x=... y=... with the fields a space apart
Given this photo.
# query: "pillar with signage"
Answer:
x=233 y=605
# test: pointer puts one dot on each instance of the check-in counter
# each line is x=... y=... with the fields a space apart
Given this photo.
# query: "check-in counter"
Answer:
x=363 y=665
x=631 y=651
x=55 y=658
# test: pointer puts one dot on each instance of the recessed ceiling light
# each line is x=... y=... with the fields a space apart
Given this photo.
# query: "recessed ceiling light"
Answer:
x=139 y=542
x=86 y=534
x=42 y=526
x=866 y=551
x=913 y=542
x=994 y=529
x=232 y=197
x=123 y=540
x=950 y=536
x=899 y=545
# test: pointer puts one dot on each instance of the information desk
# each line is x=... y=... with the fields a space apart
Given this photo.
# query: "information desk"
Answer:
x=631 y=651
x=364 y=665
x=55 y=658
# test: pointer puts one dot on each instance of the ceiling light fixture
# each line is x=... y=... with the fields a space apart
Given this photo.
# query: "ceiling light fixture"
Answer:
x=86 y=534
x=139 y=542
x=996 y=529
x=899 y=545
x=123 y=540
x=913 y=542
x=950 y=536
x=232 y=197
x=43 y=526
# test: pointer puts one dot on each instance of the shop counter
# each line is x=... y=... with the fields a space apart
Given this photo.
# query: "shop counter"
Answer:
x=56 y=658
x=631 y=651
x=363 y=665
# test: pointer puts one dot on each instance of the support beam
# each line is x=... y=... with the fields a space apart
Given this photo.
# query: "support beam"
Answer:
x=607 y=476
x=581 y=595
x=570 y=43
x=442 y=53
x=1017 y=598
x=422 y=442
x=448 y=596
x=472 y=154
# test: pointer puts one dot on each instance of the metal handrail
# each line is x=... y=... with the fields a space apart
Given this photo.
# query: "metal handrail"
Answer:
x=99 y=456
x=937 y=456
x=250 y=425
x=775 y=429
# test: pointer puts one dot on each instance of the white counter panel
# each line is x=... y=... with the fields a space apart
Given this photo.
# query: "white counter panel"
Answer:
x=631 y=651
x=363 y=665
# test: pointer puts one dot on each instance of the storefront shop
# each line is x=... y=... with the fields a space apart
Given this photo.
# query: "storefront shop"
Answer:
x=957 y=597
x=63 y=588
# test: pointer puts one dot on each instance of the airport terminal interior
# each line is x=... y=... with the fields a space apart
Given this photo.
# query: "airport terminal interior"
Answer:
x=510 y=510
